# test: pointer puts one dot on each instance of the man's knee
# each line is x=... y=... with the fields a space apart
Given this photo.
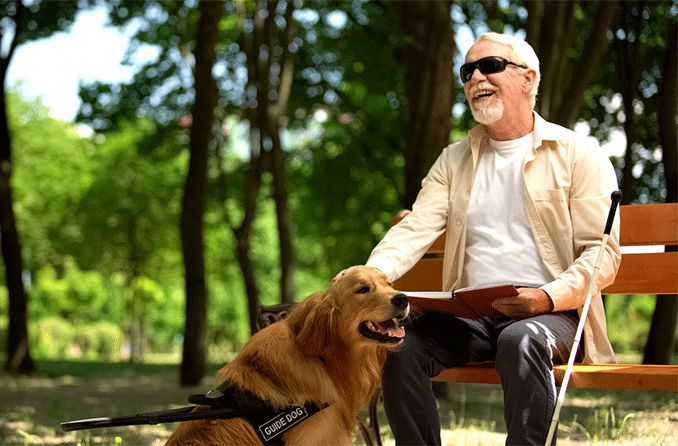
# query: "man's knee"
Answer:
x=413 y=359
x=523 y=341
x=406 y=356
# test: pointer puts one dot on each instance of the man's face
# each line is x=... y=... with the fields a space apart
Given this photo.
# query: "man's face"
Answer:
x=490 y=96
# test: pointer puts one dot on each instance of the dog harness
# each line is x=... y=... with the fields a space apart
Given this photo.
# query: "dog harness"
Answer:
x=225 y=401
x=268 y=422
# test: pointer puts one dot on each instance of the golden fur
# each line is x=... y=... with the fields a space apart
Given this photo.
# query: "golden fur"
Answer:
x=317 y=354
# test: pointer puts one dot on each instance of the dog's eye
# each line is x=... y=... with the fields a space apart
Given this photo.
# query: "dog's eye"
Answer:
x=363 y=290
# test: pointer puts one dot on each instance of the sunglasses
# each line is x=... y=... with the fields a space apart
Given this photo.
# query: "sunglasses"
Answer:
x=486 y=65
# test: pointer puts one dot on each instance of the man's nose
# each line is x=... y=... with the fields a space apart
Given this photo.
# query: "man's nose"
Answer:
x=477 y=75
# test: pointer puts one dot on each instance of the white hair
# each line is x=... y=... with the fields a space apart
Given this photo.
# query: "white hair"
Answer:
x=522 y=53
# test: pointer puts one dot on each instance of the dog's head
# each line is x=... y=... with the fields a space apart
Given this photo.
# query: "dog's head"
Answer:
x=372 y=305
x=361 y=307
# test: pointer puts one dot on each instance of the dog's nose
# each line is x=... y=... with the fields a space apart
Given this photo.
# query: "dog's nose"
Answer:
x=399 y=300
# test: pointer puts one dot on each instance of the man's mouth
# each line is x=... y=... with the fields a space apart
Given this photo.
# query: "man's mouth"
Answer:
x=389 y=331
x=482 y=94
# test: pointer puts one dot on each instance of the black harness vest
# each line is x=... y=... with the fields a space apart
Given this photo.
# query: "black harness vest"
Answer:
x=268 y=422
x=226 y=401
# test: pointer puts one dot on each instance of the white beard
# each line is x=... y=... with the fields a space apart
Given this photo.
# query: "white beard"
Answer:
x=488 y=114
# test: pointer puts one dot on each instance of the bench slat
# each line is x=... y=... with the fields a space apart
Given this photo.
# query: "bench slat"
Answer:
x=426 y=275
x=646 y=274
x=653 y=273
x=641 y=225
x=649 y=224
x=590 y=376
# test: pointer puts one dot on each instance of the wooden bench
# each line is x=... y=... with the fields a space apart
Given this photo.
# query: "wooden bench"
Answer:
x=639 y=273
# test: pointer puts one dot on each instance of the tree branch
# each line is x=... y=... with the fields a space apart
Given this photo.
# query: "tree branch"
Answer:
x=19 y=25
x=595 y=48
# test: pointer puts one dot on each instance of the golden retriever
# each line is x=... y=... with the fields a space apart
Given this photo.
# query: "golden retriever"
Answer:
x=329 y=351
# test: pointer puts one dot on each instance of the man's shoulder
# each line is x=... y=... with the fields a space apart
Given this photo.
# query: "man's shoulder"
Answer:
x=563 y=137
x=456 y=150
x=550 y=131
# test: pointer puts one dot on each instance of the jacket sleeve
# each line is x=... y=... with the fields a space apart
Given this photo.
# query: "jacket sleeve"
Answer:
x=405 y=243
x=593 y=181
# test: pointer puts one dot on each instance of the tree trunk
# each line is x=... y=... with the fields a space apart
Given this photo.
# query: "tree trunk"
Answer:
x=193 y=200
x=272 y=119
x=428 y=85
x=244 y=231
x=553 y=43
x=18 y=354
x=19 y=359
x=551 y=30
x=668 y=110
x=661 y=339
x=535 y=14
x=267 y=49
x=284 y=223
x=629 y=79
x=570 y=99
x=134 y=308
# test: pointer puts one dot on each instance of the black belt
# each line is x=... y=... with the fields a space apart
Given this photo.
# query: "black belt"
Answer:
x=226 y=401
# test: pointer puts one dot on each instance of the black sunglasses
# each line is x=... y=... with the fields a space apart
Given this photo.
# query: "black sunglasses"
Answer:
x=486 y=65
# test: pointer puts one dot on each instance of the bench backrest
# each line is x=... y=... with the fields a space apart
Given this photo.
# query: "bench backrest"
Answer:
x=639 y=273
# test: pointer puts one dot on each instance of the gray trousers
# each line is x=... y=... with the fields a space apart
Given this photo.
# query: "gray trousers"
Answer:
x=525 y=352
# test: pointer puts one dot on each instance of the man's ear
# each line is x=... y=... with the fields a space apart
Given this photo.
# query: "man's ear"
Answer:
x=528 y=79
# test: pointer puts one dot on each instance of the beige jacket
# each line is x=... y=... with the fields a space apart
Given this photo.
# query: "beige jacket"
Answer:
x=567 y=187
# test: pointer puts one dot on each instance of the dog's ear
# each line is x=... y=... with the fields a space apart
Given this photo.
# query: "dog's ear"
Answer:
x=311 y=324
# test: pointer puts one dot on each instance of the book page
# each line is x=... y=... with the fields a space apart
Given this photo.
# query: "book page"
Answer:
x=484 y=287
x=429 y=294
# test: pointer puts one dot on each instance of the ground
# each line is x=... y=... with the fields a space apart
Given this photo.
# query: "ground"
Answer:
x=33 y=407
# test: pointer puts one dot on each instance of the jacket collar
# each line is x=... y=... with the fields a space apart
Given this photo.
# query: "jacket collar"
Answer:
x=542 y=132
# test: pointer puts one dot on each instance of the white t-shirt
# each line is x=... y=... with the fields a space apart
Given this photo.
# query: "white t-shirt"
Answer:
x=500 y=247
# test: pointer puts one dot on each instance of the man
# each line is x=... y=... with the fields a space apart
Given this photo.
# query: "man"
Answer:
x=523 y=201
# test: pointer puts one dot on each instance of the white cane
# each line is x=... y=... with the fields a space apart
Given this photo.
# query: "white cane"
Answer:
x=616 y=198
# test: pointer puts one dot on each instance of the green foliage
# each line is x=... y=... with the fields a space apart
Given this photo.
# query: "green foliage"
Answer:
x=54 y=337
x=79 y=296
x=162 y=89
x=348 y=167
x=147 y=291
x=133 y=201
x=36 y=20
x=101 y=340
x=4 y=322
x=643 y=27
x=52 y=151
x=628 y=321
x=51 y=337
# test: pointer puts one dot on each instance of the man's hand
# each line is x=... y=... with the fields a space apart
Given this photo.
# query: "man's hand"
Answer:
x=342 y=273
x=529 y=302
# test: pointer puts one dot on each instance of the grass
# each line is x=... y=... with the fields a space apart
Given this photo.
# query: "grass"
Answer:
x=32 y=407
x=474 y=416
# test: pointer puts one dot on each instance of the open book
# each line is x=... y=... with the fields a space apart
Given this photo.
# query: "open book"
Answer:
x=470 y=303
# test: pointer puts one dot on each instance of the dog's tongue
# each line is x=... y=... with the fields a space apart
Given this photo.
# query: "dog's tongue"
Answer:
x=390 y=329
x=396 y=332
